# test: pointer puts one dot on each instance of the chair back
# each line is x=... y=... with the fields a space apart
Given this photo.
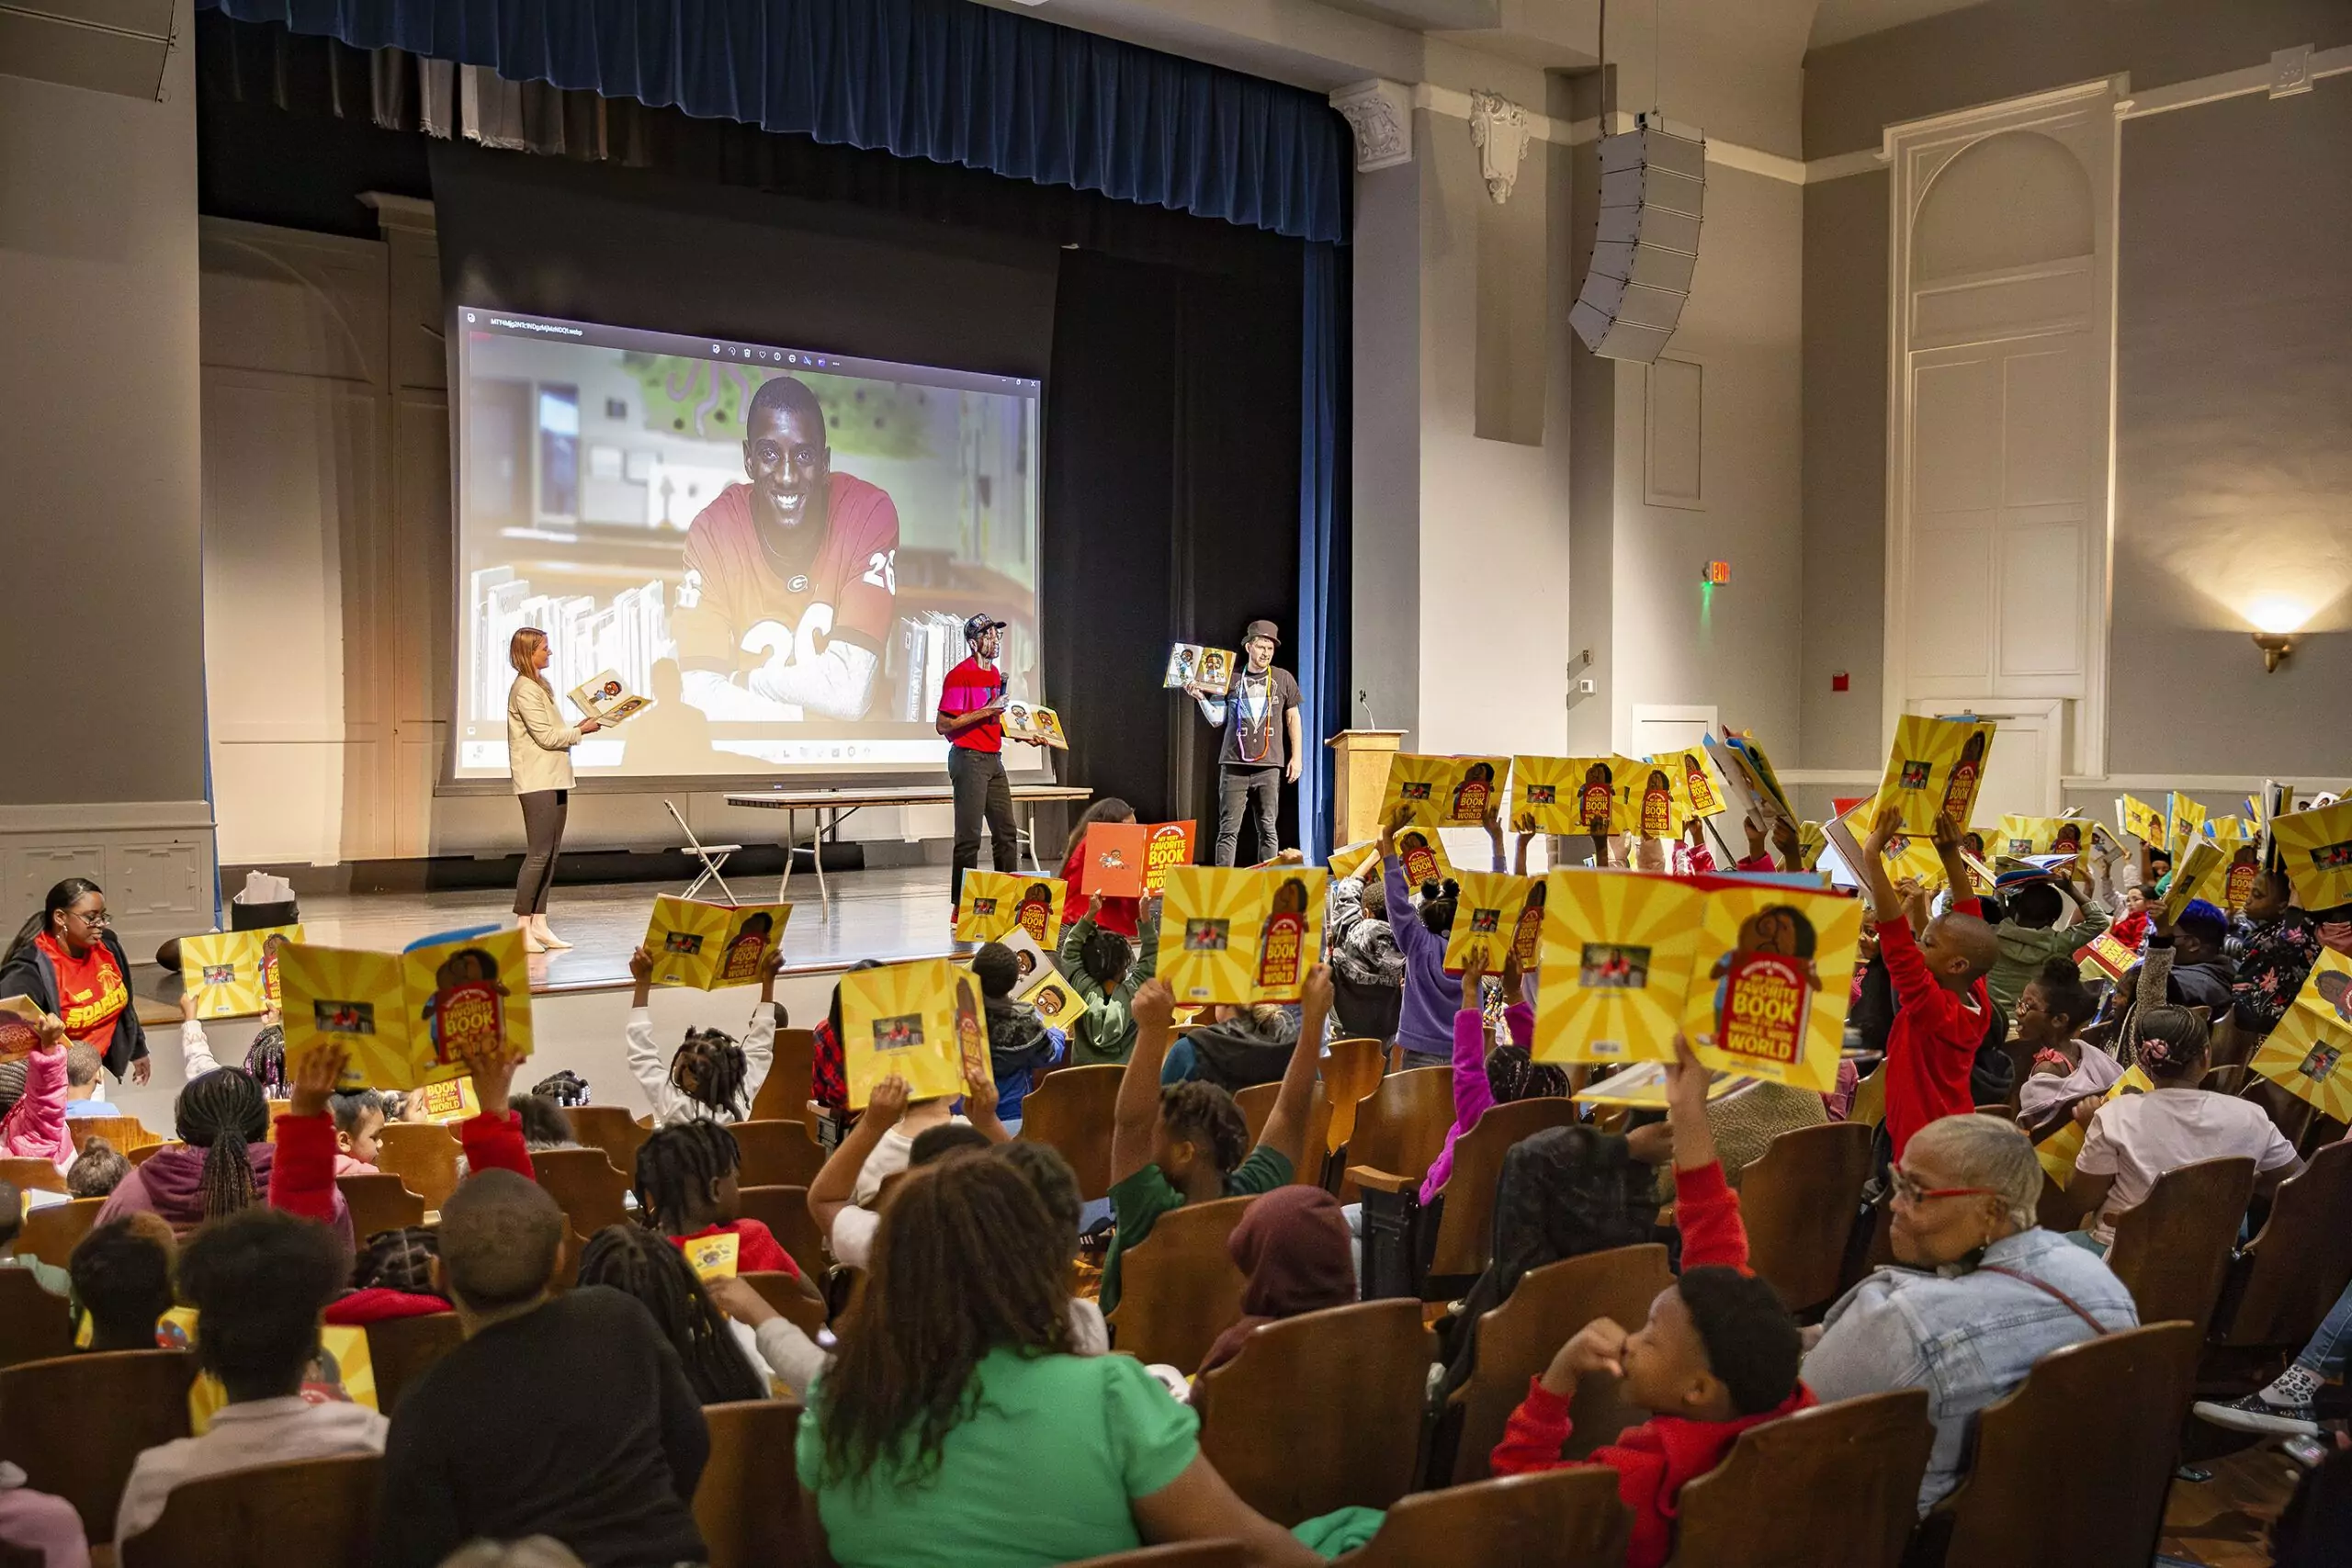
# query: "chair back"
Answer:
x=784 y=1211
x=124 y=1133
x=1178 y=1555
x=610 y=1128
x=1320 y=1411
x=1178 y=1288
x=317 y=1512
x=53 y=1230
x=1799 y=1199
x=782 y=1292
x=50 y=1426
x=2293 y=1271
x=785 y=1093
x=776 y=1153
x=585 y=1185
x=2172 y=1252
x=146 y=1152
x=1465 y=1228
x=401 y=1349
x=422 y=1156
x=1869 y=1097
x=748 y=1517
x=34 y=1324
x=1367 y=1009
x=2038 y=1458
x=1868 y=1454
x=37 y=1175
x=1518 y=1338
x=379 y=1202
x=1401 y=1128
x=1257 y=1106
x=1555 y=1519
x=1351 y=1073
x=1070 y=1110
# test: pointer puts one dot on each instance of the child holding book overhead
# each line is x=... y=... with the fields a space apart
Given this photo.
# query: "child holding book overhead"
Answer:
x=1938 y=975
x=2031 y=937
x=1425 y=1028
x=1106 y=968
x=35 y=1126
x=1718 y=1355
x=709 y=1076
x=1019 y=1041
x=1122 y=917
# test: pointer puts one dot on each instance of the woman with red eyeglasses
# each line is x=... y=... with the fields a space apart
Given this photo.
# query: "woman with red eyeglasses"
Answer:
x=1981 y=1292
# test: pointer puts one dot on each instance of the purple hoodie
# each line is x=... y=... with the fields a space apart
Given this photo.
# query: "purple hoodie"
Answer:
x=171 y=1183
x=1431 y=995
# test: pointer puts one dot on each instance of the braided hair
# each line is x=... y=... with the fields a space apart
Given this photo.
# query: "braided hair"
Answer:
x=1513 y=1075
x=266 y=1060
x=716 y=1065
x=634 y=1260
x=221 y=1113
x=677 y=1169
x=399 y=1260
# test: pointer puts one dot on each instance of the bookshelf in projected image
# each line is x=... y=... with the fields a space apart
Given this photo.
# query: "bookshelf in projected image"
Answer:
x=627 y=636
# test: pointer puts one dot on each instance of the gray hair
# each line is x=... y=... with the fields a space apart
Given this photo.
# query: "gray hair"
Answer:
x=535 y=1552
x=1985 y=1151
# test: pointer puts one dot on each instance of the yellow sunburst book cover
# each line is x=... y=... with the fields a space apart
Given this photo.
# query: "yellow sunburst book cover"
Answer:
x=1619 y=950
x=234 y=973
x=1546 y=788
x=2231 y=882
x=2304 y=1056
x=2141 y=820
x=2316 y=847
x=1444 y=790
x=707 y=946
x=1777 y=968
x=1488 y=914
x=1695 y=789
x=1241 y=936
x=408 y=1017
x=1596 y=781
x=2184 y=823
x=920 y=1021
x=2058 y=1151
x=1355 y=860
x=2189 y=873
x=1933 y=770
x=1907 y=854
x=2021 y=836
x=995 y=902
x=1422 y=855
x=1652 y=807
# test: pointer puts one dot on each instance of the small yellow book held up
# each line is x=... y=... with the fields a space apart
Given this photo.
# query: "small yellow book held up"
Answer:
x=2184 y=823
x=920 y=1021
x=1056 y=999
x=707 y=946
x=234 y=973
x=1933 y=770
x=995 y=902
x=1241 y=936
x=2231 y=882
x=1907 y=854
x=713 y=1256
x=2141 y=820
x=1487 y=915
x=1545 y=789
x=2058 y=1151
x=1444 y=790
x=1695 y=789
x=1029 y=721
x=2189 y=873
x=2316 y=848
x=1653 y=807
x=1597 y=781
x=1421 y=854
x=408 y=1017
x=2304 y=1056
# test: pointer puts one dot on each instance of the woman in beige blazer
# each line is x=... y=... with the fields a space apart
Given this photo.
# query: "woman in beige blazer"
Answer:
x=538 y=755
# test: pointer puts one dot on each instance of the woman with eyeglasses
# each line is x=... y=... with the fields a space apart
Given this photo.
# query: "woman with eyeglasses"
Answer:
x=67 y=962
x=538 y=757
x=1982 y=1292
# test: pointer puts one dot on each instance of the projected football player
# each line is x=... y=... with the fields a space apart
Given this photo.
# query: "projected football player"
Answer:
x=790 y=579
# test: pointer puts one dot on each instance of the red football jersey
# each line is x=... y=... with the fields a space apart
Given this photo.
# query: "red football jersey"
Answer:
x=734 y=610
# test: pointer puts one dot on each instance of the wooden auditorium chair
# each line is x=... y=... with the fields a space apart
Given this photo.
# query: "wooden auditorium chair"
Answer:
x=34 y=1323
x=610 y=1128
x=748 y=1510
x=784 y=1211
x=1320 y=1411
x=51 y=1232
x=1401 y=1127
x=1181 y=1554
x=320 y=1513
x=1071 y=1112
x=1257 y=1106
x=1799 y=1199
x=776 y=1153
x=782 y=1292
x=124 y=1133
x=423 y=1156
x=2287 y=1278
x=379 y=1202
x=1558 y=1518
x=585 y=1185
x=75 y=1423
x=2172 y=1252
x=401 y=1349
x=31 y=1174
x=791 y=1082
x=1178 y=1288
x=1407 y=1253
x=1835 y=1484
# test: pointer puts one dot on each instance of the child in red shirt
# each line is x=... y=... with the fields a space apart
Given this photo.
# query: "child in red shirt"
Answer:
x=1718 y=1355
x=1941 y=1009
x=686 y=1190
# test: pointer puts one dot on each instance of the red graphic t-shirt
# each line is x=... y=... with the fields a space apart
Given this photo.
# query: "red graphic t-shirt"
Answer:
x=969 y=687
x=734 y=609
x=90 y=992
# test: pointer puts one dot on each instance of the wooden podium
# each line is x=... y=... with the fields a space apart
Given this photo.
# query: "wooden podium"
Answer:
x=1360 y=778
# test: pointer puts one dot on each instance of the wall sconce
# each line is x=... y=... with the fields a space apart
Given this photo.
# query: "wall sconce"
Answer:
x=2274 y=646
x=2276 y=620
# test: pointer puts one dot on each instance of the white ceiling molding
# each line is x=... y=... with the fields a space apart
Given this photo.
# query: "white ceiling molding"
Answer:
x=1498 y=129
x=1381 y=114
x=2229 y=84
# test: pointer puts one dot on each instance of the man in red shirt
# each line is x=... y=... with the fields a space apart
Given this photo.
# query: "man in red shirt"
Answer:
x=971 y=715
x=791 y=579
x=1941 y=1010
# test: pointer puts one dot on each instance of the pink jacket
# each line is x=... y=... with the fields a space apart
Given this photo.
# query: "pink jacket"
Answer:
x=1473 y=1098
x=35 y=1128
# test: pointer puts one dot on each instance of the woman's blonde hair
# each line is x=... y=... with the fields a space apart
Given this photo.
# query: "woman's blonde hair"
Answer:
x=526 y=642
x=1988 y=1152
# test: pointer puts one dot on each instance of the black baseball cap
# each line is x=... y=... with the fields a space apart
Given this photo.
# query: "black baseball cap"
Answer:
x=977 y=625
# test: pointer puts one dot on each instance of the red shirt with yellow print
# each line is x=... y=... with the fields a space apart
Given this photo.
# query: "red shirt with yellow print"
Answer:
x=91 y=993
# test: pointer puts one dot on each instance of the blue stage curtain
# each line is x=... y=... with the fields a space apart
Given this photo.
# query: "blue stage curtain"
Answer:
x=938 y=79
x=1324 y=561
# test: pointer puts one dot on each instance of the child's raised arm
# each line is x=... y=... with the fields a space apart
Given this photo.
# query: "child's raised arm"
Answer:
x=1135 y=1112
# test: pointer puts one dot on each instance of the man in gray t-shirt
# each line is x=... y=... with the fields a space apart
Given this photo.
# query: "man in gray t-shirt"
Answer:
x=1262 y=751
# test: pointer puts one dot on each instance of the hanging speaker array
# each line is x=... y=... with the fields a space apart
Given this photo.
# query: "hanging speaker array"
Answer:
x=1653 y=189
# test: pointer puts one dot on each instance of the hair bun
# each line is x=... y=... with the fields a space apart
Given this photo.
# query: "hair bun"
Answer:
x=1430 y=890
x=1452 y=888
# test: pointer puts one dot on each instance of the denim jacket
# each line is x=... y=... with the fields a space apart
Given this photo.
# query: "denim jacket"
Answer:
x=1966 y=1338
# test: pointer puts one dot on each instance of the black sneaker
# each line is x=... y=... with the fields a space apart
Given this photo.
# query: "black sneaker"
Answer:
x=2256 y=1414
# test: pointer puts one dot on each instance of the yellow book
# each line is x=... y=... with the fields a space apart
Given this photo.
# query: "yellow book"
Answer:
x=1651 y=807
x=2184 y=822
x=2231 y=882
x=1619 y=950
x=995 y=902
x=1355 y=860
x=2018 y=837
x=705 y=946
x=1191 y=664
x=920 y=1021
x=1488 y=916
x=1028 y=721
x=1777 y=967
x=2113 y=958
x=2058 y=1151
x=408 y=1017
x=1422 y=853
x=1642 y=1086
x=1241 y=936
x=2189 y=873
x=713 y=1256
x=2141 y=820
x=1907 y=854
x=1444 y=790
x=1933 y=770
x=234 y=973
x=1546 y=788
x=1695 y=789
x=2304 y=1056
x=1056 y=999
x=2316 y=847
x=1596 y=781
x=450 y=1100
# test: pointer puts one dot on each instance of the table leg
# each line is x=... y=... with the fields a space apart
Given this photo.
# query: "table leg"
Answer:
x=817 y=853
x=784 y=882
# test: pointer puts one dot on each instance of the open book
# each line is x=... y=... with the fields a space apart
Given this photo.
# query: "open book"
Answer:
x=408 y=1017
x=607 y=700
x=19 y=1027
x=1241 y=936
x=920 y=1021
x=1027 y=721
x=708 y=946
x=1191 y=664
x=234 y=973
x=1442 y=790
x=996 y=902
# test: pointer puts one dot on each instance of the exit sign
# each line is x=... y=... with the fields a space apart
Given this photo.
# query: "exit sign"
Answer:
x=1717 y=572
